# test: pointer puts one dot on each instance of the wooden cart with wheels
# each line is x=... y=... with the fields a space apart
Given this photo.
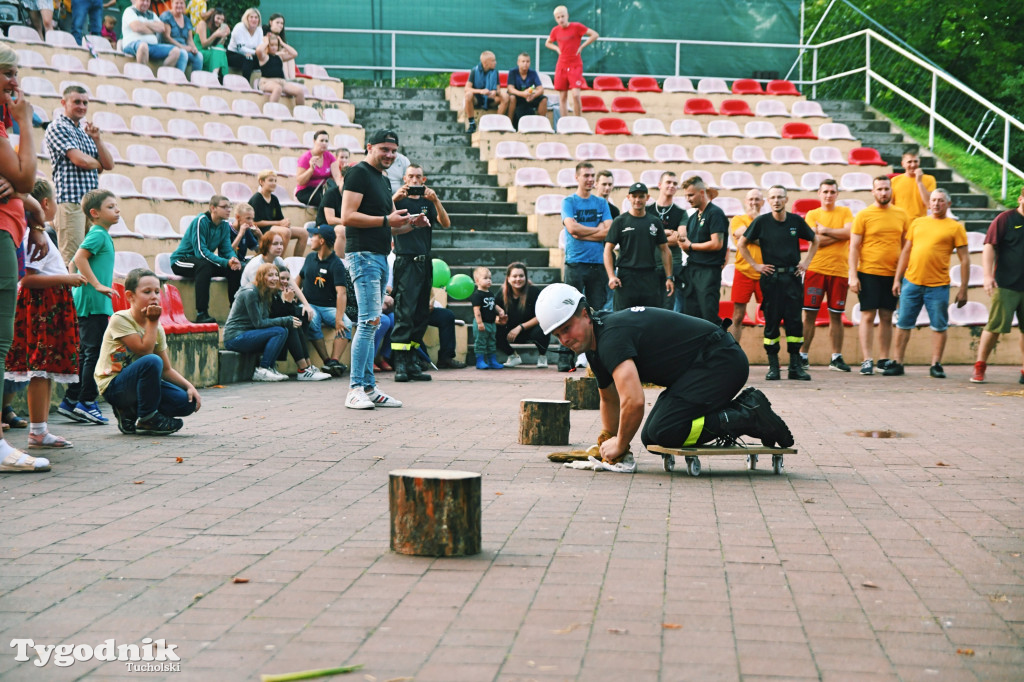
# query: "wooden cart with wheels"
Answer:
x=692 y=456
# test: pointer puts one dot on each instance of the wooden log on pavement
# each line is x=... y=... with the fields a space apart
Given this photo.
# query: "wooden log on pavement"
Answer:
x=544 y=422
x=581 y=392
x=434 y=512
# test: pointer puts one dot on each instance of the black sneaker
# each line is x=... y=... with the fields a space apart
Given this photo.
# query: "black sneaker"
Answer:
x=450 y=363
x=205 y=318
x=884 y=363
x=158 y=425
x=893 y=369
x=334 y=368
x=125 y=421
x=838 y=365
x=937 y=372
x=805 y=363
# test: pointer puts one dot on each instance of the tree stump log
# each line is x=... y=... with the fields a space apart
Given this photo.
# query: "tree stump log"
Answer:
x=544 y=422
x=581 y=392
x=434 y=512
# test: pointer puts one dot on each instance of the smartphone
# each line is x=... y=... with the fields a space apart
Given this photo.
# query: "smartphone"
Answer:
x=416 y=191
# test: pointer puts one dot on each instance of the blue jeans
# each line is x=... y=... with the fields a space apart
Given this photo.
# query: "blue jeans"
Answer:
x=83 y=11
x=196 y=59
x=269 y=341
x=138 y=390
x=158 y=51
x=934 y=299
x=383 y=333
x=369 y=278
x=326 y=315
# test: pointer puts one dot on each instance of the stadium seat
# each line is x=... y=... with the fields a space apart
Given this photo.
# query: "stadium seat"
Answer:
x=535 y=124
x=592 y=151
x=237 y=83
x=975 y=279
x=798 y=130
x=126 y=261
x=733 y=180
x=855 y=182
x=458 y=79
x=162 y=267
x=682 y=203
x=783 y=178
x=205 y=79
x=611 y=126
x=865 y=156
x=182 y=101
x=748 y=153
x=810 y=182
x=642 y=84
x=285 y=197
x=678 y=84
x=553 y=151
x=171 y=75
x=306 y=114
x=34 y=60
x=608 y=83
x=38 y=87
x=782 y=87
x=148 y=98
x=183 y=158
x=343 y=141
x=183 y=128
x=670 y=152
x=139 y=72
x=855 y=205
x=317 y=71
x=649 y=126
x=121 y=185
x=154 y=226
x=746 y=86
x=253 y=135
x=176 y=309
x=215 y=104
x=99 y=44
x=824 y=154
x=498 y=123
x=761 y=130
x=973 y=314
x=120 y=229
x=566 y=177
x=335 y=117
x=114 y=153
x=155 y=187
x=724 y=129
x=288 y=166
x=117 y=297
x=632 y=152
x=295 y=264
x=533 y=177
x=68 y=63
x=112 y=94
x=236 y=191
x=651 y=177
x=254 y=163
x=219 y=132
x=199 y=190
x=144 y=155
x=61 y=39
x=512 y=149
x=698 y=106
x=326 y=93
x=627 y=105
x=784 y=153
x=23 y=34
x=975 y=242
x=835 y=131
x=766 y=108
x=548 y=204
x=804 y=206
x=503 y=79
x=709 y=153
x=687 y=127
x=704 y=175
x=731 y=206
x=709 y=86
x=222 y=161
x=622 y=177
x=248 y=109
x=728 y=275
x=805 y=109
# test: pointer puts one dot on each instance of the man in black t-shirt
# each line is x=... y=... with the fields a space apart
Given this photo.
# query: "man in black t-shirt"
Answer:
x=778 y=234
x=671 y=217
x=324 y=283
x=635 y=279
x=603 y=186
x=413 y=273
x=329 y=213
x=705 y=244
x=700 y=365
x=370 y=219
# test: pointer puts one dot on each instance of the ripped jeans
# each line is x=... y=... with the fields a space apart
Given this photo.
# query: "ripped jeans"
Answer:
x=369 y=273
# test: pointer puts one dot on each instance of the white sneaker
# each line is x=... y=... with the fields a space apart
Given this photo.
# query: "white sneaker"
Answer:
x=581 y=361
x=264 y=374
x=378 y=399
x=278 y=375
x=311 y=373
x=514 y=360
x=542 y=362
x=358 y=399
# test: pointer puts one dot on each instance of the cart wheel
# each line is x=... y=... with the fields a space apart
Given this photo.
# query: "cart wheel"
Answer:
x=693 y=466
x=777 y=464
x=669 y=462
x=751 y=462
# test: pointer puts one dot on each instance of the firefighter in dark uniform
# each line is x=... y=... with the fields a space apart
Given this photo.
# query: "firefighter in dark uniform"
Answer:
x=699 y=363
x=413 y=274
x=778 y=234
x=639 y=236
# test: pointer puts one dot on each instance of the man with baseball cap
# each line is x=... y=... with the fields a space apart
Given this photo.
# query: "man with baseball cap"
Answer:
x=370 y=218
x=323 y=281
x=639 y=236
x=700 y=364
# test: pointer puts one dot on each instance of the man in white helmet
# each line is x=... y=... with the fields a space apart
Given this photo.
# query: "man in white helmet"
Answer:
x=701 y=366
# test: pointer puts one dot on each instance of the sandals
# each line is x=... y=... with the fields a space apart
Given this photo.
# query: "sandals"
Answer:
x=13 y=419
x=17 y=462
x=48 y=440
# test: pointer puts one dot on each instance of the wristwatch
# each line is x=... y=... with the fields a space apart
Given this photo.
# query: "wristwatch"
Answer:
x=386 y=223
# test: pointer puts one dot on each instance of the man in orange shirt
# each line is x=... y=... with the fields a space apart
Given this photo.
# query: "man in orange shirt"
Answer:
x=875 y=246
x=912 y=189
x=922 y=279
x=745 y=280
x=828 y=274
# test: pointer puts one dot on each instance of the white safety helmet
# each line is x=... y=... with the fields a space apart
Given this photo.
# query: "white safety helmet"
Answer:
x=556 y=304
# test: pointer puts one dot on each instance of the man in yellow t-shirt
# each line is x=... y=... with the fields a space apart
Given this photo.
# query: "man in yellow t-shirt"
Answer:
x=922 y=279
x=912 y=189
x=745 y=279
x=875 y=245
x=828 y=274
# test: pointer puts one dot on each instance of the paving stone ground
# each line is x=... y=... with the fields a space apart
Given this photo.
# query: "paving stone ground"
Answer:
x=869 y=559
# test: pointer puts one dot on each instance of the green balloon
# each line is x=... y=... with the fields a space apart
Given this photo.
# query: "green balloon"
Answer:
x=442 y=273
x=460 y=287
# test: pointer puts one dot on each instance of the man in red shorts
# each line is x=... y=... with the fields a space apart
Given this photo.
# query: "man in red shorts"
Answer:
x=828 y=275
x=565 y=40
x=745 y=279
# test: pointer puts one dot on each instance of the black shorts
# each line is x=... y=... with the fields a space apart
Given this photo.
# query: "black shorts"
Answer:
x=876 y=292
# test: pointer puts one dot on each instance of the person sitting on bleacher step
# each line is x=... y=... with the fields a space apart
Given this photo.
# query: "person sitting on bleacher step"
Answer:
x=205 y=252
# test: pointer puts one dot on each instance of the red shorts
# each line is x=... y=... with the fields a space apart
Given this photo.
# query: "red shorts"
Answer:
x=568 y=77
x=743 y=287
x=817 y=286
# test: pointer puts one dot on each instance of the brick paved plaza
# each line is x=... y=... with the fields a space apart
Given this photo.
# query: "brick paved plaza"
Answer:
x=869 y=559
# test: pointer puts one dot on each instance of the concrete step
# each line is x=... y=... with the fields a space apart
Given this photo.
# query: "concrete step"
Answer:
x=969 y=201
x=499 y=222
x=467 y=193
x=475 y=207
x=974 y=225
x=466 y=239
x=471 y=179
x=355 y=92
x=399 y=105
x=493 y=258
x=829 y=105
x=419 y=114
x=979 y=214
x=442 y=168
x=442 y=139
x=849 y=117
x=450 y=153
x=541 y=276
x=407 y=128
x=954 y=188
x=857 y=127
x=893 y=142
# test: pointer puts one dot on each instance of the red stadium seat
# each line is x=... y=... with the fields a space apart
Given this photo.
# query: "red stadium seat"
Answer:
x=803 y=206
x=119 y=299
x=612 y=83
x=611 y=126
x=697 y=106
x=459 y=79
x=176 y=309
x=503 y=79
x=797 y=130
x=865 y=156
x=593 y=103
x=746 y=86
x=735 y=107
x=627 y=105
x=782 y=88
x=725 y=309
x=643 y=84
x=759 y=318
x=824 y=319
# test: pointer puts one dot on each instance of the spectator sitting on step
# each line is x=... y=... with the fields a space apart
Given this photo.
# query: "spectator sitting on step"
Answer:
x=317 y=169
x=270 y=249
x=525 y=91
x=272 y=55
x=109 y=30
x=141 y=30
x=246 y=36
x=288 y=301
x=324 y=282
x=245 y=236
x=250 y=329
x=179 y=31
x=269 y=214
x=483 y=90
x=211 y=39
x=205 y=252
x=275 y=26
x=518 y=298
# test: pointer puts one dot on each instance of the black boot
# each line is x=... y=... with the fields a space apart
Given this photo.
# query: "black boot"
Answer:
x=412 y=367
x=751 y=413
x=401 y=370
x=796 y=368
x=773 y=369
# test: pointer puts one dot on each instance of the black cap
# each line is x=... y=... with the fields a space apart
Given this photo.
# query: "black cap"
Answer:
x=325 y=232
x=382 y=136
x=638 y=188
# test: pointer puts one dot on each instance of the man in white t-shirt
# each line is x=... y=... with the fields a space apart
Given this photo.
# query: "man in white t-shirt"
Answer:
x=140 y=36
